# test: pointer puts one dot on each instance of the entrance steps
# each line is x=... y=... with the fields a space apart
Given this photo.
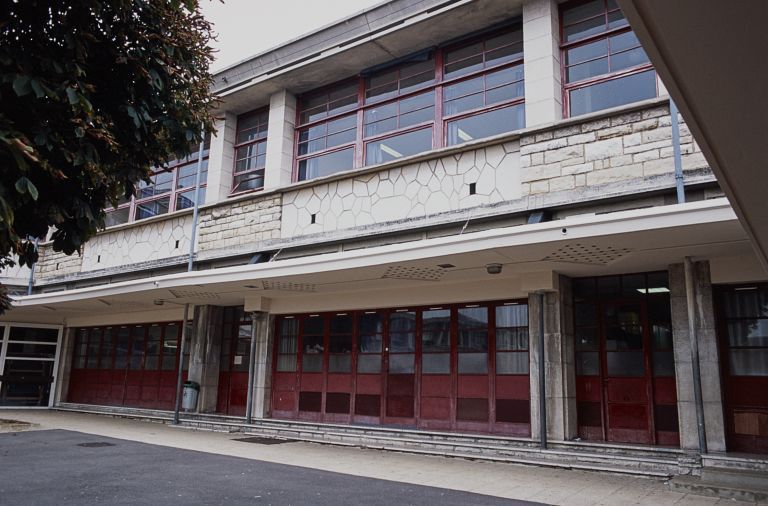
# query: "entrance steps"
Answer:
x=613 y=458
x=726 y=482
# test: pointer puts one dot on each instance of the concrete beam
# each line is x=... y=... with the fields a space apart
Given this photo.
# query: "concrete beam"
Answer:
x=278 y=171
x=541 y=45
x=221 y=159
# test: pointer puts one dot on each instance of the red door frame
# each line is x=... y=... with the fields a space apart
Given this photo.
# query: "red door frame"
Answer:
x=107 y=384
x=289 y=385
x=741 y=394
x=658 y=390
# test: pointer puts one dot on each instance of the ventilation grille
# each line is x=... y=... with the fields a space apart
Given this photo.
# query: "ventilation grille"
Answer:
x=191 y=294
x=417 y=273
x=289 y=287
x=587 y=254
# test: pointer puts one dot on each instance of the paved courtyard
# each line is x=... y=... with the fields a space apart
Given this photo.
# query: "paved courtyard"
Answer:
x=151 y=463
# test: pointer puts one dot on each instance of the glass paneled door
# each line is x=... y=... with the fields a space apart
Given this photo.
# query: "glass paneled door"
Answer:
x=625 y=382
x=27 y=365
x=742 y=323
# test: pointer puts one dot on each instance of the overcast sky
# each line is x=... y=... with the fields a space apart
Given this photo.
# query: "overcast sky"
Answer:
x=247 y=27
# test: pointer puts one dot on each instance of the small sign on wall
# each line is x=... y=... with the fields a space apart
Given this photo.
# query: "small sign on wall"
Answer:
x=238 y=359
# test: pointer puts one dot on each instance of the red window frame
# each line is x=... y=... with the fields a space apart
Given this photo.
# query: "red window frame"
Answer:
x=609 y=7
x=438 y=122
x=259 y=143
x=174 y=168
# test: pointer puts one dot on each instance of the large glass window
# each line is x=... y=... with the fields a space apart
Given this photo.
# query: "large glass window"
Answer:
x=604 y=64
x=250 y=151
x=455 y=94
x=746 y=324
x=169 y=189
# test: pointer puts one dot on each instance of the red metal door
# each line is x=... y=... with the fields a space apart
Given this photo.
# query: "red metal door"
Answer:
x=369 y=382
x=627 y=374
x=400 y=405
x=436 y=388
x=742 y=326
x=339 y=380
x=473 y=392
x=311 y=371
x=625 y=383
x=234 y=361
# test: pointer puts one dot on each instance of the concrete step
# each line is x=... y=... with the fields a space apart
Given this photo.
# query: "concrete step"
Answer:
x=611 y=458
x=738 y=462
x=727 y=484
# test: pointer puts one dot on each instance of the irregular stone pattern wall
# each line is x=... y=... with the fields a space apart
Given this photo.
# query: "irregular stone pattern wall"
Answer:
x=242 y=223
x=628 y=146
x=417 y=190
x=146 y=242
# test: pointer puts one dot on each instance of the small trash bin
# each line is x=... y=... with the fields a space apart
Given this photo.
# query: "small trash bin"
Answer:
x=189 y=399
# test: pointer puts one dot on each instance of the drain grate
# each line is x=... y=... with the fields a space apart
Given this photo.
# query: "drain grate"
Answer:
x=264 y=440
x=95 y=444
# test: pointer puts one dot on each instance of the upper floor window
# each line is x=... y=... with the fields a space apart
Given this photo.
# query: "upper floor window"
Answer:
x=603 y=63
x=250 y=151
x=170 y=189
x=448 y=96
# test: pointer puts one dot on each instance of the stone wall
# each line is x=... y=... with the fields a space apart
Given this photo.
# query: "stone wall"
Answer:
x=632 y=145
x=243 y=224
x=141 y=242
x=54 y=263
x=410 y=191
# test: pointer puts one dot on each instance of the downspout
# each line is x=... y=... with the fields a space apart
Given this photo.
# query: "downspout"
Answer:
x=190 y=262
x=542 y=377
x=679 y=178
x=32 y=271
x=694 y=339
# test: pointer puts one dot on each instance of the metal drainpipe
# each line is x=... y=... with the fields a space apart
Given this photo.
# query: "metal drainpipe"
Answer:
x=542 y=377
x=694 y=339
x=251 y=370
x=32 y=271
x=195 y=212
x=679 y=178
x=180 y=373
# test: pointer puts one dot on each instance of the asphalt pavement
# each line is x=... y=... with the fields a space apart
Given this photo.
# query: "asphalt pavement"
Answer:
x=64 y=467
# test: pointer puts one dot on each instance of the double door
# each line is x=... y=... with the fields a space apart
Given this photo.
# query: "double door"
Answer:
x=625 y=380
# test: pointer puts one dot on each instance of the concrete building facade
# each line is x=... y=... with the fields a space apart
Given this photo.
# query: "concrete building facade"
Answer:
x=454 y=216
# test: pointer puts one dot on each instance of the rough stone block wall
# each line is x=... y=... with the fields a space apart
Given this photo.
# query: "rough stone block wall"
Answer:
x=628 y=146
x=240 y=223
x=52 y=264
x=411 y=191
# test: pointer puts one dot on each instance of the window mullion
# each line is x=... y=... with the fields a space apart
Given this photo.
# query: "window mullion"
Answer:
x=359 y=144
x=438 y=140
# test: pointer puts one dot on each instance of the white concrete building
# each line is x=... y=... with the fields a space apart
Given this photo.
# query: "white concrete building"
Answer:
x=455 y=216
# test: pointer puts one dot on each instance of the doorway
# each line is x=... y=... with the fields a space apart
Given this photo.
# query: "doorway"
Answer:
x=625 y=381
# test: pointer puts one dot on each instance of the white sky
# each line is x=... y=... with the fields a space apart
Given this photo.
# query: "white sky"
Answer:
x=247 y=27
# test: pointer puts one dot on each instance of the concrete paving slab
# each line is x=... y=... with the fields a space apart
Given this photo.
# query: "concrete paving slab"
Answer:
x=557 y=486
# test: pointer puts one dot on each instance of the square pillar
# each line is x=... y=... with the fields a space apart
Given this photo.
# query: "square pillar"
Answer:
x=560 y=372
x=262 y=378
x=278 y=170
x=541 y=47
x=221 y=159
x=64 y=371
x=205 y=355
x=709 y=362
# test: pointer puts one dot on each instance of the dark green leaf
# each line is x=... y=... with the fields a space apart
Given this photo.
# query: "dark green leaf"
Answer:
x=21 y=86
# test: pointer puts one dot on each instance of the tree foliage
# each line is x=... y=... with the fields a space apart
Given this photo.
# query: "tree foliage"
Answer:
x=92 y=94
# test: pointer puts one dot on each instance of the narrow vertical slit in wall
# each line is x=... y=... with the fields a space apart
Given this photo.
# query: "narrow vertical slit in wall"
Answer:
x=177 y=244
x=313 y=218
x=472 y=188
x=98 y=259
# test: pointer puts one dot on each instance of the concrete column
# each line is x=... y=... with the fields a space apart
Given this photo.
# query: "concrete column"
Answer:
x=280 y=138
x=560 y=373
x=205 y=354
x=541 y=47
x=262 y=385
x=221 y=159
x=708 y=359
x=65 y=366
